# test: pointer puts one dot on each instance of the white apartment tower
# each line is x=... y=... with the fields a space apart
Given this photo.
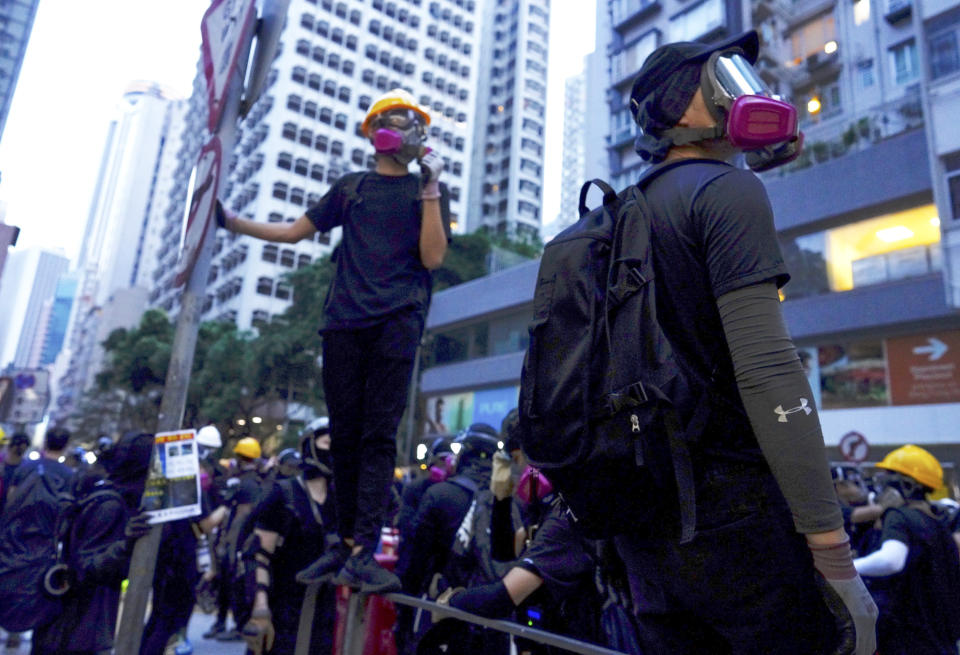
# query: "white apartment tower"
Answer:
x=574 y=149
x=335 y=59
x=507 y=180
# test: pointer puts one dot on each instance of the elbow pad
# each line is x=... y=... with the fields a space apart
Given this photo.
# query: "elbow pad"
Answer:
x=779 y=403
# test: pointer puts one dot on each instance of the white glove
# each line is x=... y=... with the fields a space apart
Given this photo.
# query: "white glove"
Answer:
x=431 y=167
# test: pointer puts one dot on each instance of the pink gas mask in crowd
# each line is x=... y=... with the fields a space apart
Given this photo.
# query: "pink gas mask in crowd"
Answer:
x=748 y=114
x=399 y=133
x=443 y=468
x=533 y=486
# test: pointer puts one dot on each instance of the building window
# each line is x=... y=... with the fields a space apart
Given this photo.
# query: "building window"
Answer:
x=865 y=74
x=314 y=81
x=296 y=196
x=303 y=261
x=944 y=54
x=326 y=115
x=287 y=258
x=299 y=74
x=336 y=148
x=280 y=190
x=265 y=286
x=952 y=165
x=303 y=47
x=320 y=143
x=903 y=62
x=283 y=291
x=293 y=102
x=310 y=109
x=316 y=172
x=300 y=167
x=285 y=161
x=269 y=253
x=319 y=54
x=306 y=136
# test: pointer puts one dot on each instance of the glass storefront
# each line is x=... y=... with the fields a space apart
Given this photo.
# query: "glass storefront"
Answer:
x=873 y=251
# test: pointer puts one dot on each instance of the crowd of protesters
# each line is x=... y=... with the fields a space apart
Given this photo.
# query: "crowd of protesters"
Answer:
x=744 y=547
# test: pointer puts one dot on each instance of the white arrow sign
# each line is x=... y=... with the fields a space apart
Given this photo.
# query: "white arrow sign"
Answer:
x=201 y=207
x=934 y=348
x=223 y=27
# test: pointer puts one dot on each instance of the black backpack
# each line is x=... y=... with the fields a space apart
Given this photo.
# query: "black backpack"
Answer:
x=607 y=409
x=33 y=545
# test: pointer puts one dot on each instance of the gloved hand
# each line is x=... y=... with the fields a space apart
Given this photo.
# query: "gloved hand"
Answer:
x=846 y=597
x=431 y=166
x=444 y=599
x=890 y=498
x=501 y=480
x=222 y=215
x=258 y=632
x=137 y=526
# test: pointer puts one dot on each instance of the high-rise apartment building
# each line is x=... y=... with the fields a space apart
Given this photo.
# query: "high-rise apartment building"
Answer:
x=574 y=165
x=507 y=178
x=124 y=236
x=29 y=283
x=16 y=23
x=52 y=328
x=335 y=59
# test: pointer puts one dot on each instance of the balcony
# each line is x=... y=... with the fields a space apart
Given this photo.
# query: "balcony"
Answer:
x=816 y=68
x=624 y=14
x=895 y=11
x=764 y=9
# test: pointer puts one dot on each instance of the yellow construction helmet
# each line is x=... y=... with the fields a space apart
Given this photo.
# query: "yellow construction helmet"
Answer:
x=917 y=463
x=247 y=447
x=393 y=99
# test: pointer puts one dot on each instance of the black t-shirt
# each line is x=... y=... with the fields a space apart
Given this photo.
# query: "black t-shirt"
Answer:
x=713 y=233
x=50 y=466
x=287 y=511
x=920 y=606
x=378 y=259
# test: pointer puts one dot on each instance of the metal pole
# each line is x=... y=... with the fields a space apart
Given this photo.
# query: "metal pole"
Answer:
x=144 y=559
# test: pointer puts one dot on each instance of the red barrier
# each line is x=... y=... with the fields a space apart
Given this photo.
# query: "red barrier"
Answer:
x=379 y=614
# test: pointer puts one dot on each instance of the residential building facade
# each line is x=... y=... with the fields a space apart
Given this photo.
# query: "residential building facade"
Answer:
x=29 y=283
x=507 y=179
x=16 y=23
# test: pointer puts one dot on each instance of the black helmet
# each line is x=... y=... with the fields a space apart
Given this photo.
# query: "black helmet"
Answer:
x=440 y=446
x=289 y=456
x=478 y=442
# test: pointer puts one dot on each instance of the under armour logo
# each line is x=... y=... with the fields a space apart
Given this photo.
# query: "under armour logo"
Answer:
x=802 y=407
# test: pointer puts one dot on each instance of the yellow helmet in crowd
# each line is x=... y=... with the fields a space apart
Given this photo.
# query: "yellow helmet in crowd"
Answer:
x=917 y=463
x=393 y=99
x=248 y=447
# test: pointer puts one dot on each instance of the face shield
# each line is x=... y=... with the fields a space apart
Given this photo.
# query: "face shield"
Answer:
x=399 y=133
x=765 y=127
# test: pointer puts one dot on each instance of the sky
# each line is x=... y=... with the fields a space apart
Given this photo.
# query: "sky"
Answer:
x=83 y=55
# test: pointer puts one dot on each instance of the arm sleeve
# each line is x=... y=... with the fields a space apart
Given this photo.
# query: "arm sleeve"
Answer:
x=779 y=403
x=890 y=559
x=502 y=530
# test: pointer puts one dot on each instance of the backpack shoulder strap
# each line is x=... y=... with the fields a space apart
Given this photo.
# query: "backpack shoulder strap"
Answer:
x=464 y=483
x=609 y=195
x=351 y=191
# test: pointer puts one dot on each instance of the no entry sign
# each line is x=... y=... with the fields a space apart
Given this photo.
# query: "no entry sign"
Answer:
x=201 y=207
x=223 y=26
x=854 y=447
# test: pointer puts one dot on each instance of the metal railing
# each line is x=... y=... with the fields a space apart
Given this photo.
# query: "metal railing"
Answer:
x=353 y=642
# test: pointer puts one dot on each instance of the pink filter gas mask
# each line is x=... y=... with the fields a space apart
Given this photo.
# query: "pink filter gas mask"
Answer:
x=533 y=485
x=387 y=142
x=754 y=122
x=442 y=470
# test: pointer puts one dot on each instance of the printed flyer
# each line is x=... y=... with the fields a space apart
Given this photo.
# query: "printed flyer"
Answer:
x=173 y=486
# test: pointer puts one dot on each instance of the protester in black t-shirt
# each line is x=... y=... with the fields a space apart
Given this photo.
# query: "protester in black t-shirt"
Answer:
x=294 y=524
x=13 y=457
x=395 y=231
x=747 y=582
x=54 y=447
x=915 y=574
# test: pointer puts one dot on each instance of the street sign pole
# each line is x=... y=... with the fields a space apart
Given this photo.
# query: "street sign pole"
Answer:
x=143 y=560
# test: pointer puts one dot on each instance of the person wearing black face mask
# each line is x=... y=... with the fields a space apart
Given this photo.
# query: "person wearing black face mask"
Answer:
x=98 y=551
x=295 y=522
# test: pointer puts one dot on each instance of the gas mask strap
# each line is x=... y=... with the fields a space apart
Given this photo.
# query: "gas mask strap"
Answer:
x=683 y=135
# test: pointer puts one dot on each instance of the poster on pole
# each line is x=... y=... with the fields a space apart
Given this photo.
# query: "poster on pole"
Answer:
x=173 y=485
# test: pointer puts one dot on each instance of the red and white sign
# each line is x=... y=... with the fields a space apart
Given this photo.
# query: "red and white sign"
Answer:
x=225 y=27
x=854 y=447
x=924 y=368
x=202 y=204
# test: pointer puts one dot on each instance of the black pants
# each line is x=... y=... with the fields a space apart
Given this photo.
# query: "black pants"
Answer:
x=745 y=584
x=174 y=594
x=366 y=377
